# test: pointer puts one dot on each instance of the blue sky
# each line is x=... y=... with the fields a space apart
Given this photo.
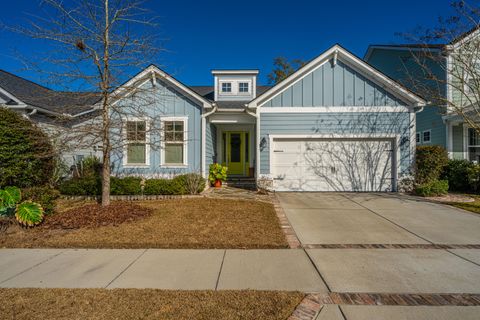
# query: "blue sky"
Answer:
x=204 y=35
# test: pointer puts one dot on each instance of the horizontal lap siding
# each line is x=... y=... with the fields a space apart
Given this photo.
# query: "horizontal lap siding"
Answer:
x=211 y=142
x=335 y=123
x=164 y=101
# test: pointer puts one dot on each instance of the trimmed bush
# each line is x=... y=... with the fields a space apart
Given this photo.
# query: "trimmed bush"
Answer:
x=45 y=196
x=27 y=157
x=457 y=173
x=161 y=186
x=434 y=188
x=87 y=186
x=430 y=163
x=125 y=186
x=190 y=183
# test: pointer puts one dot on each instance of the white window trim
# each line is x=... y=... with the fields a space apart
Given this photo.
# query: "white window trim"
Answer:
x=147 y=144
x=223 y=93
x=249 y=82
x=423 y=136
x=185 y=142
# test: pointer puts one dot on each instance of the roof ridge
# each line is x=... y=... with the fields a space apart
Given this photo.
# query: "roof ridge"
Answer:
x=24 y=79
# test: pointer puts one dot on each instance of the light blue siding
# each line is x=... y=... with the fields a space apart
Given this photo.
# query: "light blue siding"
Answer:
x=402 y=66
x=155 y=103
x=457 y=142
x=330 y=85
x=380 y=123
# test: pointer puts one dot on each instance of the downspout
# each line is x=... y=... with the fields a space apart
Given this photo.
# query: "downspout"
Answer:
x=27 y=115
x=257 y=140
x=204 y=139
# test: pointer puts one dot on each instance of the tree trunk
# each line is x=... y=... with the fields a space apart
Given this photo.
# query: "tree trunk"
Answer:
x=106 y=112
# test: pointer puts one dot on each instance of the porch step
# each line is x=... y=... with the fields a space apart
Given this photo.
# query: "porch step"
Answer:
x=242 y=183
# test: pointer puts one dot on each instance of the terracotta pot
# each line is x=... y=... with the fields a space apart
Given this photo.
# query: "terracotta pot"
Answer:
x=218 y=184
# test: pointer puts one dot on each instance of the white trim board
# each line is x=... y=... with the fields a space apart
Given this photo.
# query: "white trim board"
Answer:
x=322 y=109
x=184 y=119
x=125 y=163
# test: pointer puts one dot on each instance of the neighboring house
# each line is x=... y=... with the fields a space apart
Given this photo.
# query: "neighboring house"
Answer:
x=437 y=124
x=336 y=124
x=55 y=112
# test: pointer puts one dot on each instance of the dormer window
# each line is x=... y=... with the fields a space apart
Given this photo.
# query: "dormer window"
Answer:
x=243 y=87
x=226 y=87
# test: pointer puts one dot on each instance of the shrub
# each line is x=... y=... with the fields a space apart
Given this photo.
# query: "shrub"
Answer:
x=27 y=157
x=430 y=163
x=160 y=186
x=456 y=172
x=87 y=167
x=190 y=183
x=45 y=196
x=87 y=186
x=125 y=186
x=473 y=176
x=433 y=188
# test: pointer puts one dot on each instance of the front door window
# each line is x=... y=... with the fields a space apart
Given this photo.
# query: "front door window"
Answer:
x=235 y=147
x=236 y=157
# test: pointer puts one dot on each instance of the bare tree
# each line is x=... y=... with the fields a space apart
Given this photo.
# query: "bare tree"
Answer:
x=445 y=64
x=96 y=45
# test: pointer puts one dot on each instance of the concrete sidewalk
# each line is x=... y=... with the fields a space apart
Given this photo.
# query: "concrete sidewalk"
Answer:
x=160 y=268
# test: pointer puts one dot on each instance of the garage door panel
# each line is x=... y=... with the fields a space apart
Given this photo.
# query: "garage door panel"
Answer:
x=333 y=165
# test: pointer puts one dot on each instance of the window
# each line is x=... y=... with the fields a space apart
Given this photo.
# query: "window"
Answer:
x=473 y=145
x=136 y=142
x=417 y=137
x=226 y=87
x=426 y=136
x=243 y=87
x=174 y=144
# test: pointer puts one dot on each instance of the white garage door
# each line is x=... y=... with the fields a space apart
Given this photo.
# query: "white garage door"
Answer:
x=332 y=164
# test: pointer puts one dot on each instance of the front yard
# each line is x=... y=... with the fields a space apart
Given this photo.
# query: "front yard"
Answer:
x=469 y=206
x=177 y=223
x=146 y=304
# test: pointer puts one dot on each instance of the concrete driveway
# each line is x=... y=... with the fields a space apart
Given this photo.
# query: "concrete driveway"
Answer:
x=388 y=243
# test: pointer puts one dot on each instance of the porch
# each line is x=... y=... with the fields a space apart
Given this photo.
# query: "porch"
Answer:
x=463 y=142
x=231 y=141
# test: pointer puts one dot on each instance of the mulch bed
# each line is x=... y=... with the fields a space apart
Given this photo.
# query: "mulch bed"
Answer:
x=94 y=215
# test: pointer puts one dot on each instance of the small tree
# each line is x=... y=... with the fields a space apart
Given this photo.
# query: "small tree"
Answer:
x=97 y=45
x=27 y=158
x=282 y=68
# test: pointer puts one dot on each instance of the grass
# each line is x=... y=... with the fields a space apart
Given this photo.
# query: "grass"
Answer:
x=145 y=304
x=177 y=223
x=469 y=206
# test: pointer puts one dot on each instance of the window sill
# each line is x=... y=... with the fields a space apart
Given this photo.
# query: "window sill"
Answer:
x=175 y=166
x=136 y=166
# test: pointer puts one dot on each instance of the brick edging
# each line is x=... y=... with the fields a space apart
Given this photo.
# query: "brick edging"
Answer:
x=312 y=304
x=292 y=239
x=134 y=197
x=398 y=299
x=308 y=309
x=392 y=246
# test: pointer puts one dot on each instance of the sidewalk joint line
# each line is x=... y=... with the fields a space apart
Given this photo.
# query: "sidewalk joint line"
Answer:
x=466 y=259
x=342 y=313
x=381 y=216
x=126 y=268
x=220 y=270
x=34 y=266
x=318 y=271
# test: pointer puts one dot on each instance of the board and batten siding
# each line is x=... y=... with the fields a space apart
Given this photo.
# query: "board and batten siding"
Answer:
x=162 y=100
x=330 y=85
x=348 y=124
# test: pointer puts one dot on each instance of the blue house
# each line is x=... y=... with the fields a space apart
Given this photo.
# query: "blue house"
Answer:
x=337 y=124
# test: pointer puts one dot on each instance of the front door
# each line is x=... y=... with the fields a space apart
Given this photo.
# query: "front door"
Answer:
x=236 y=158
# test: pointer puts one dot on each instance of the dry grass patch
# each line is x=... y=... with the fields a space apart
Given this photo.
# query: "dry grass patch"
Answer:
x=469 y=206
x=177 y=223
x=145 y=304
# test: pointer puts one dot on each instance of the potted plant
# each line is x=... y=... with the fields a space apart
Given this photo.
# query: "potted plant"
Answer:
x=217 y=174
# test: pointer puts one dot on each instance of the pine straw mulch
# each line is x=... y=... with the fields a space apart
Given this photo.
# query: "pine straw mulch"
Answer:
x=129 y=304
x=94 y=216
x=194 y=223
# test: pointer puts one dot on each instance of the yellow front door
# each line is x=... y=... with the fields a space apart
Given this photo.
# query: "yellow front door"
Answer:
x=235 y=152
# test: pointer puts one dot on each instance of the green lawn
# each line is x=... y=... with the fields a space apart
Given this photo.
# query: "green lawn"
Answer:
x=469 y=206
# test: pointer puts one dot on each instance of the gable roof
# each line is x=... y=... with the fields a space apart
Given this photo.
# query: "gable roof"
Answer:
x=338 y=52
x=152 y=71
x=21 y=91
